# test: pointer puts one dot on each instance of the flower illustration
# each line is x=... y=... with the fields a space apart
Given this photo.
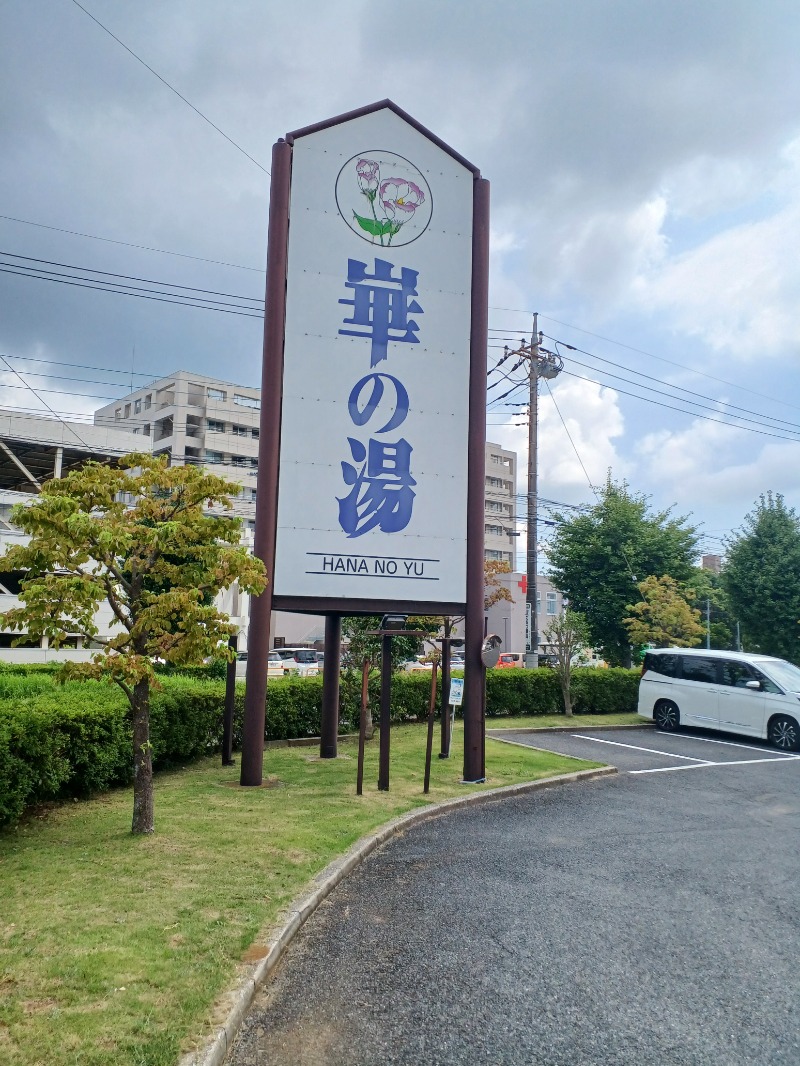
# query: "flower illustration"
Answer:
x=400 y=199
x=368 y=173
x=393 y=201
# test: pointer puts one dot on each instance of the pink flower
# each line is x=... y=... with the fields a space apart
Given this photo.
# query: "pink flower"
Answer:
x=368 y=173
x=400 y=199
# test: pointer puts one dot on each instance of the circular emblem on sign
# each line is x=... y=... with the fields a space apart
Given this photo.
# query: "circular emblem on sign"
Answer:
x=384 y=198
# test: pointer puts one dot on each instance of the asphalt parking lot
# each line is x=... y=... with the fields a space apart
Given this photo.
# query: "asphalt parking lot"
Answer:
x=649 y=917
x=648 y=751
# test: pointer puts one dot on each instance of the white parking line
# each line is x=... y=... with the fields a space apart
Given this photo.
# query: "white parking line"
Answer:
x=739 y=762
x=635 y=747
x=727 y=743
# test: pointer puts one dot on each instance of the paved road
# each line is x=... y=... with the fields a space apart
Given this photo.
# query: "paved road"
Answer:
x=646 y=918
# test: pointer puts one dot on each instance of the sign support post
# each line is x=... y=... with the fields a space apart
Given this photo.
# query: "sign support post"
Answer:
x=255 y=700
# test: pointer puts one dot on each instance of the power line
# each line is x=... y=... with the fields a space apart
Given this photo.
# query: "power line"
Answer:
x=129 y=244
x=44 y=402
x=680 y=410
x=677 y=388
x=122 y=292
x=172 y=88
x=131 y=277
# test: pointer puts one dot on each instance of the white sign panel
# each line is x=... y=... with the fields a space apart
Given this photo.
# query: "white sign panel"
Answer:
x=373 y=470
x=456 y=691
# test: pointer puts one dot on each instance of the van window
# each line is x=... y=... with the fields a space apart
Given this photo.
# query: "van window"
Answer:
x=736 y=674
x=767 y=684
x=699 y=669
x=667 y=665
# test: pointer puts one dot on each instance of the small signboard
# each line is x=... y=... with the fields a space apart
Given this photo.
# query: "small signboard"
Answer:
x=456 y=691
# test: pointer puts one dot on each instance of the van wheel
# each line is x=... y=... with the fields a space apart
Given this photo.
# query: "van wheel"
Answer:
x=666 y=716
x=783 y=733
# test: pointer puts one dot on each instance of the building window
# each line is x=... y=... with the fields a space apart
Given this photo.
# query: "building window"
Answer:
x=492 y=554
x=213 y=457
x=247 y=401
x=137 y=406
x=148 y=401
x=495 y=482
x=492 y=505
x=127 y=410
x=551 y=603
x=146 y=429
x=538 y=603
x=494 y=531
x=239 y=460
x=253 y=498
x=217 y=394
x=118 y=414
x=215 y=427
x=137 y=430
x=254 y=433
x=239 y=431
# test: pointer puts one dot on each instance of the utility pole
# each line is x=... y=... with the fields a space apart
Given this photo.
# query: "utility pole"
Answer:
x=542 y=365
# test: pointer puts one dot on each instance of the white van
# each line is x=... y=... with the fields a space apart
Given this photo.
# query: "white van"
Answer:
x=755 y=695
x=302 y=661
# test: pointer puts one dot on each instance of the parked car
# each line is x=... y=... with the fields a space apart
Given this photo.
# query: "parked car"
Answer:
x=734 y=692
x=302 y=661
x=509 y=659
x=414 y=665
x=275 y=665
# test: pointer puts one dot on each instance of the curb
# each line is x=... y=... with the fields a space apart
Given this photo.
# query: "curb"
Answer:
x=242 y=996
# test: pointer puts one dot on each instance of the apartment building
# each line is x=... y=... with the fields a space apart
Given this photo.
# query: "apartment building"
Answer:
x=197 y=419
x=500 y=525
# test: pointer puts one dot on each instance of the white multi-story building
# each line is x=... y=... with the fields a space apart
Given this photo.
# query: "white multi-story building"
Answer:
x=197 y=419
x=500 y=510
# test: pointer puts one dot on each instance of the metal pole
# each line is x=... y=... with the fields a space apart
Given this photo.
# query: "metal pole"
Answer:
x=532 y=652
x=708 y=622
x=362 y=726
x=330 y=687
x=429 y=746
x=230 y=699
x=386 y=712
x=474 y=671
x=255 y=700
x=444 y=753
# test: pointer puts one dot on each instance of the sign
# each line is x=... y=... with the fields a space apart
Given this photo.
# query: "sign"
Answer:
x=372 y=489
x=456 y=691
x=528 y=627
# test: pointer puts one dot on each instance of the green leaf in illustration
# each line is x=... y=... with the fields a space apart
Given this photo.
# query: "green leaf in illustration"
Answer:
x=377 y=229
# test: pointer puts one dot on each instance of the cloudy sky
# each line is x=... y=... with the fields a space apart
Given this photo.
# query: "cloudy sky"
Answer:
x=644 y=157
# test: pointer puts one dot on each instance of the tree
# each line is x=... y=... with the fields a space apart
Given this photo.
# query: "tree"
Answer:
x=138 y=537
x=663 y=617
x=705 y=592
x=568 y=634
x=597 y=558
x=493 y=590
x=762 y=578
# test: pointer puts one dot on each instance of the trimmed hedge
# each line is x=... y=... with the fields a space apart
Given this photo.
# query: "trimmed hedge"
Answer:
x=72 y=740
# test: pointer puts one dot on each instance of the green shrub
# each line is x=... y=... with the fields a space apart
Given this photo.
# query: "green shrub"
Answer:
x=599 y=691
x=75 y=739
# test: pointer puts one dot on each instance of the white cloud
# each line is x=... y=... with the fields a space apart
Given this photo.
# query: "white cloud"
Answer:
x=718 y=466
x=594 y=422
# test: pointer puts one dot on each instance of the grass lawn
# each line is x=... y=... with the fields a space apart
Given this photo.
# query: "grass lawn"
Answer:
x=114 y=948
x=551 y=721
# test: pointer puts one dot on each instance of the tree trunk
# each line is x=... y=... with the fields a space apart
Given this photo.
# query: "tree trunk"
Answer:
x=567 y=698
x=143 y=813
